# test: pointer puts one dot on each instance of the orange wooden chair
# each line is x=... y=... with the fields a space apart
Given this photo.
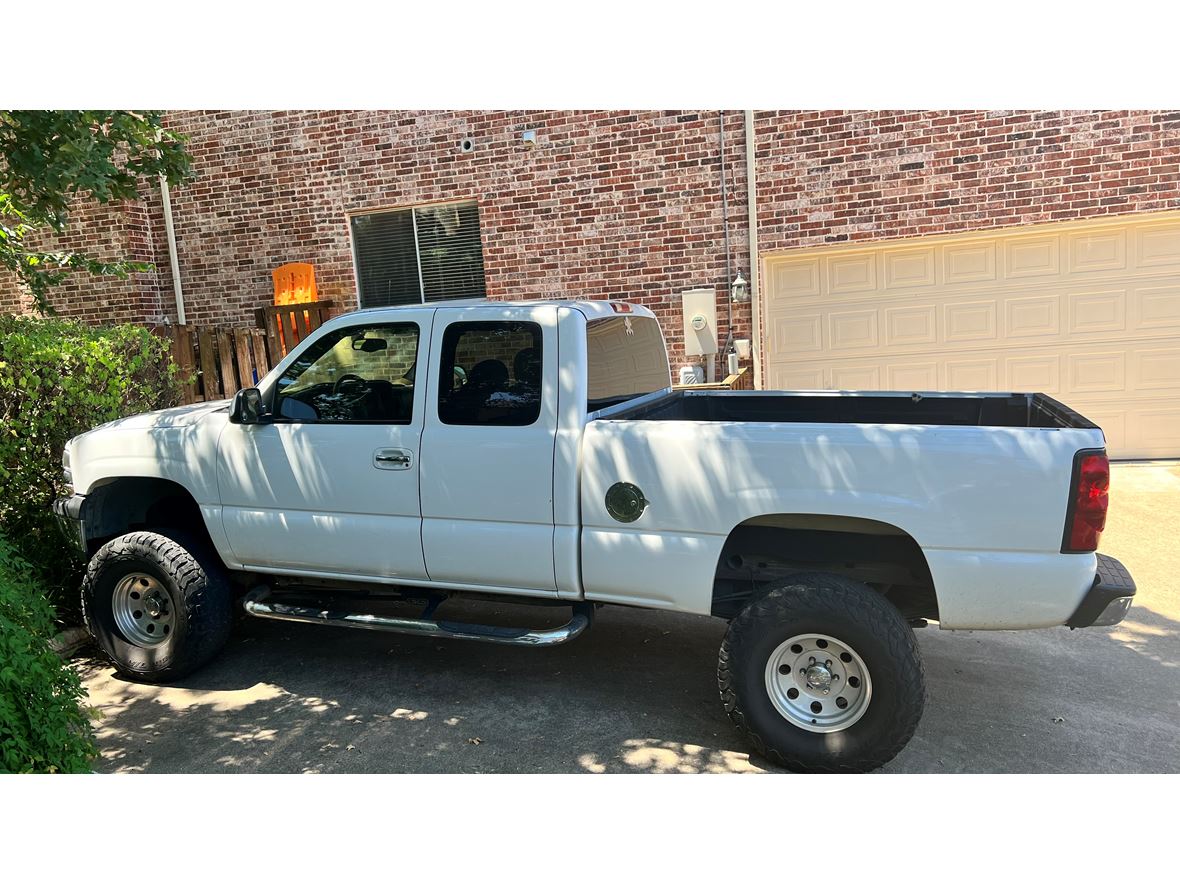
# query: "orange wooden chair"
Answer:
x=294 y=284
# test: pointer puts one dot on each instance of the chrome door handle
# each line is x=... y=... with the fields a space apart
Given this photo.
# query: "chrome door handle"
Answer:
x=393 y=459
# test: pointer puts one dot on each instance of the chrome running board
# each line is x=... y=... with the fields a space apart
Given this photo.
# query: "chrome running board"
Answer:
x=259 y=604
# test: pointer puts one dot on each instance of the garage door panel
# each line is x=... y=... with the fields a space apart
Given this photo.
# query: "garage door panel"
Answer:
x=911 y=325
x=1157 y=309
x=1032 y=257
x=1104 y=372
x=852 y=329
x=979 y=374
x=1097 y=250
x=1158 y=245
x=969 y=263
x=796 y=278
x=973 y=321
x=859 y=377
x=1156 y=369
x=798 y=378
x=1041 y=373
x=1162 y=426
x=799 y=334
x=912 y=375
x=853 y=272
x=1086 y=312
x=1097 y=312
x=1032 y=317
x=909 y=269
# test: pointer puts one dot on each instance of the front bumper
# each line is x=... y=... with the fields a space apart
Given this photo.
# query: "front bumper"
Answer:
x=1109 y=599
x=68 y=512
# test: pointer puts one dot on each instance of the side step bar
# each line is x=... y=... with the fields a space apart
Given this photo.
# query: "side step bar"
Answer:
x=259 y=603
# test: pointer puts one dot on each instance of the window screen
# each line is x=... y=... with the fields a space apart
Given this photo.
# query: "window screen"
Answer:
x=409 y=256
x=490 y=373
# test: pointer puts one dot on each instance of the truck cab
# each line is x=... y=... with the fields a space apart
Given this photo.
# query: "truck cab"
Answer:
x=432 y=445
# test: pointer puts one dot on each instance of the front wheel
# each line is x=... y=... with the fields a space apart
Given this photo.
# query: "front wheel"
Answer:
x=159 y=609
x=822 y=674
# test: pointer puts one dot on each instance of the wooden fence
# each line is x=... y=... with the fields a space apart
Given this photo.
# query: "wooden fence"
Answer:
x=286 y=325
x=216 y=363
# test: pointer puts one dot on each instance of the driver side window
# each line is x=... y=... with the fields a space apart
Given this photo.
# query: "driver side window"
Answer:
x=358 y=374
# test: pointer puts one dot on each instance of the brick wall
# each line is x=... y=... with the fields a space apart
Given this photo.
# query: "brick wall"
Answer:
x=621 y=204
x=122 y=230
x=835 y=176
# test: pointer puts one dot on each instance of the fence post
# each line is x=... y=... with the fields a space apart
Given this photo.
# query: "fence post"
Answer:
x=258 y=342
x=245 y=359
x=211 y=387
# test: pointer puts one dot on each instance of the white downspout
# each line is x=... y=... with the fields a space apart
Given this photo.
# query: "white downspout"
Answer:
x=752 y=207
x=166 y=198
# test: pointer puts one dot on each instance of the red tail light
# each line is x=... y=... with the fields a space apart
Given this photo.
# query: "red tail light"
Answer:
x=1086 y=517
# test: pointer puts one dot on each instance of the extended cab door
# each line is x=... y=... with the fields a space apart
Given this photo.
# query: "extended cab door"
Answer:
x=487 y=449
x=332 y=486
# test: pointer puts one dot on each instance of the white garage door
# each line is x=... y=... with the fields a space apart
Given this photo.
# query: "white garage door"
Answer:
x=1086 y=312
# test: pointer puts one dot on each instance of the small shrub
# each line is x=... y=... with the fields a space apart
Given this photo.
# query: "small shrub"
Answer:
x=43 y=725
x=59 y=378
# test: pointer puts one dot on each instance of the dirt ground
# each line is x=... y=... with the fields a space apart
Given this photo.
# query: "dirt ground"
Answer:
x=638 y=692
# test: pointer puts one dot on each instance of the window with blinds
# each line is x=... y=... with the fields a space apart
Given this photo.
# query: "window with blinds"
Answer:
x=409 y=256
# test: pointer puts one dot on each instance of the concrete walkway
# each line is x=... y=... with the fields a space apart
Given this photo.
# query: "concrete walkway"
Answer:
x=638 y=692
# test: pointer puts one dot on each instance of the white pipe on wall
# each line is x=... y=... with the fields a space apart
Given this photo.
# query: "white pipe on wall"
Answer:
x=166 y=198
x=752 y=208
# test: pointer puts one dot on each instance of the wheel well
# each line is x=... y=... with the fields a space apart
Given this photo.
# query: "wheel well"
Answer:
x=132 y=503
x=770 y=548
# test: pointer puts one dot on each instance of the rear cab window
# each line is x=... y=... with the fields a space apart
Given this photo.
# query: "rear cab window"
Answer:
x=625 y=359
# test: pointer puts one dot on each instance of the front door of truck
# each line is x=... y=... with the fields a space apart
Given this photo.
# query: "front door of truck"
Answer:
x=332 y=486
x=487 y=449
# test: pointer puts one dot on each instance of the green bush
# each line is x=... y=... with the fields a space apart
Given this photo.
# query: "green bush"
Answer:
x=59 y=378
x=43 y=725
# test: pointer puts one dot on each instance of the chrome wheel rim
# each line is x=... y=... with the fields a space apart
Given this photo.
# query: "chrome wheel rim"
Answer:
x=818 y=683
x=143 y=610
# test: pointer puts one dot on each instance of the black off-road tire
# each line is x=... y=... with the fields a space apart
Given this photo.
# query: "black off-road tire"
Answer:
x=852 y=613
x=198 y=590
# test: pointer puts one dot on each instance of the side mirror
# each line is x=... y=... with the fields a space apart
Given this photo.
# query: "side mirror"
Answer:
x=246 y=407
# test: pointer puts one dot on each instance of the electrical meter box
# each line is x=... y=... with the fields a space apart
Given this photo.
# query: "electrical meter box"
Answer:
x=700 y=322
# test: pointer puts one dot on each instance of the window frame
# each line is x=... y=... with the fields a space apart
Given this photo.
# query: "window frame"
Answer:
x=272 y=398
x=538 y=332
x=414 y=209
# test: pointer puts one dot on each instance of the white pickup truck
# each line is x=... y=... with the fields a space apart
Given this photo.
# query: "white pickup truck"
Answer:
x=536 y=451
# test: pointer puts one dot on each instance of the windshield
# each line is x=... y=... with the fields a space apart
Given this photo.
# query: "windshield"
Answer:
x=625 y=358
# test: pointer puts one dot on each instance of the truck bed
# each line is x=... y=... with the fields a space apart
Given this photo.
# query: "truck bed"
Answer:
x=979 y=482
x=843 y=407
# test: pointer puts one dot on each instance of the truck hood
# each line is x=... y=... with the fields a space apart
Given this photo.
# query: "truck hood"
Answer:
x=180 y=416
x=177 y=444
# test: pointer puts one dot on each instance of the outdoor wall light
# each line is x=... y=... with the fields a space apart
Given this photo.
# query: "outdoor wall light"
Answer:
x=738 y=289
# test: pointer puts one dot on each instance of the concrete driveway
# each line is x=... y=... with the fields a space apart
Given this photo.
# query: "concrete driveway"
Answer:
x=638 y=692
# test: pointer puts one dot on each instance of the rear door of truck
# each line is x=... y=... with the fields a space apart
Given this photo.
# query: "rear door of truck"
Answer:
x=487 y=448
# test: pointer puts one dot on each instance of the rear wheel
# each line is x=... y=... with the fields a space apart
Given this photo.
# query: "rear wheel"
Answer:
x=822 y=674
x=157 y=607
